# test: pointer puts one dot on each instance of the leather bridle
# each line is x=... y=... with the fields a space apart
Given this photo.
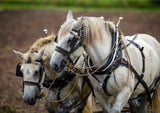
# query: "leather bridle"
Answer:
x=77 y=41
x=41 y=76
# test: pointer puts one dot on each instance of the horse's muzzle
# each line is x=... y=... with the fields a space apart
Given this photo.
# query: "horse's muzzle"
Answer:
x=58 y=66
x=29 y=101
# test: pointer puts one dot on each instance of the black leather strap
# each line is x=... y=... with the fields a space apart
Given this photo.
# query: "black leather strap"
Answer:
x=105 y=85
x=61 y=81
x=32 y=84
x=108 y=70
x=126 y=64
x=62 y=51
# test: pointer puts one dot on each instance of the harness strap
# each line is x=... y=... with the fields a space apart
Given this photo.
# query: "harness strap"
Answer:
x=58 y=94
x=141 y=51
x=132 y=41
x=105 y=85
x=104 y=69
x=64 y=52
x=82 y=100
x=126 y=64
x=83 y=83
x=61 y=81
x=143 y=61
x=89 y=84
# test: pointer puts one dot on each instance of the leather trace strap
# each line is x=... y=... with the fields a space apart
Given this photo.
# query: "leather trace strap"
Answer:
x=126 y=64
x=143 y=61
x=121 y=61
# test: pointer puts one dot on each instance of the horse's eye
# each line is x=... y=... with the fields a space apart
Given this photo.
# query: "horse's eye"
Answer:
x=70 y=40
x=36 y=72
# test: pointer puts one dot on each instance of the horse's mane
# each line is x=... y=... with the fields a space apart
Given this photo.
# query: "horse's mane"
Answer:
x=65 y=28
x=37 y=45
x=41 y=42
x=95 y=27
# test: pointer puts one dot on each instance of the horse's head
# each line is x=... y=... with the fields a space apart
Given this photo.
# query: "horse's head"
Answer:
x=32 y=71
x=91 y=34
x=70 y=43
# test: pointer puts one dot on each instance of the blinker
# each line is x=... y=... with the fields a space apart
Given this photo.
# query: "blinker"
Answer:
x=74 y=41
x=56 y=39
x=18 y=70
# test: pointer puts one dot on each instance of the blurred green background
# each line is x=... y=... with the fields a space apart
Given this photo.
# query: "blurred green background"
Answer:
x=81 y=4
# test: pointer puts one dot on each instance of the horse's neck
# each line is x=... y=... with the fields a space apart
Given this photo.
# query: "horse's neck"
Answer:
x=49 y=49
x=98 y=50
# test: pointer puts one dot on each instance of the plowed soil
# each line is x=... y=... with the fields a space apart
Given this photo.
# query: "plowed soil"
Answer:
x=20 y=28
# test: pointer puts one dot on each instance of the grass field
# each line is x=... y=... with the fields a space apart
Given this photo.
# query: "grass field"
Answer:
x=81 y=4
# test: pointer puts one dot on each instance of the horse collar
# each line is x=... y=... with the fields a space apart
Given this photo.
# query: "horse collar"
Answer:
x=116 y=54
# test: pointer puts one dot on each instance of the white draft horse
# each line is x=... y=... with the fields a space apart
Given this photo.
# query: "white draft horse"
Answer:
x=123 y=67
x=35 y=70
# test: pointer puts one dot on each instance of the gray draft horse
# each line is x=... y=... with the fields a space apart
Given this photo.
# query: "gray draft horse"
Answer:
x=35 y=70
x=124 y=67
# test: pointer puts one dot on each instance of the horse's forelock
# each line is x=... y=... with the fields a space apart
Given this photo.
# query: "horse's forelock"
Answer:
x=30 y=55
x=41 y=42
x=65 y=28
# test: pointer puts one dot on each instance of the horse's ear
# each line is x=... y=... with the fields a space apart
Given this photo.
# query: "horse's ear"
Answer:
x=19 y=54
x=80 y=20
x=69 y=15
x=40 y=53
x=78 y=24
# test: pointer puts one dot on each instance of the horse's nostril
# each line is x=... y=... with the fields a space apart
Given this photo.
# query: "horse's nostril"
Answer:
x=64 y=62
x=55 y=67
x=32 y=101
